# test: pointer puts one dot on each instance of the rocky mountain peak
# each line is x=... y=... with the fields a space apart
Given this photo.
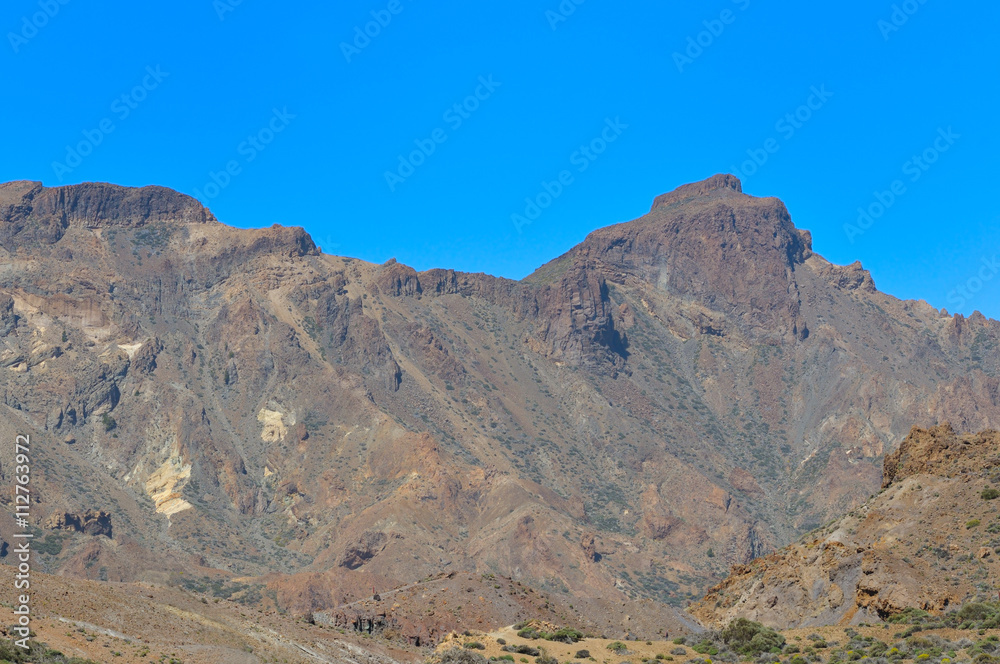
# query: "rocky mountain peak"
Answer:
x=710 y=242
x=100 y=204
x=33 y=213
x=723 y=182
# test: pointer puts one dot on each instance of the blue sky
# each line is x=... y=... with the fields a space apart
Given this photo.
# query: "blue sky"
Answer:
x=309 y=127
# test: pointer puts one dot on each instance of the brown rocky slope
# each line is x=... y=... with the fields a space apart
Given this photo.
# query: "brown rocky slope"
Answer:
x=677 y=394
x=929 y=540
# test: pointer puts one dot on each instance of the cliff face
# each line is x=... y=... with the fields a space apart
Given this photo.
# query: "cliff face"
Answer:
x=710 y=243
x=693 y=381
x=929 y=540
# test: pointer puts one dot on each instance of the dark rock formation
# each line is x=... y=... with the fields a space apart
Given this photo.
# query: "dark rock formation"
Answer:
x=91 y=522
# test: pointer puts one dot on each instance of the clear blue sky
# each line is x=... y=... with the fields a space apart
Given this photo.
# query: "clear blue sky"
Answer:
x=225 y=68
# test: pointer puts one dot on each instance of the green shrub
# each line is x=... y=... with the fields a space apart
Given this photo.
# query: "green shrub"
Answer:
x=37 y=653
x=618 y=647
x=522 y=650
x=990 y=494
x=582 y=654
x=108 y=422
x=474 y=645
x=705 y=648
x=974 y=611
x=461 y=656
x=565 y=635
x=969 y=525
x=751 y=638
x=909 y=615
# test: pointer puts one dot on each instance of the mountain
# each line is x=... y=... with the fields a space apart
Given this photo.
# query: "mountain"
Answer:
x=929 y=540
x=675 y=395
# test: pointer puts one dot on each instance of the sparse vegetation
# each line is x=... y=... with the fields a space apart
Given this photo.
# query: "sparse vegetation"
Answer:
x=971 y=616
x=461 y=656
x=528 y=630
x=108 y=422
x=522 y=650
x=38 y=653
x=221 y=589
x=751 y=638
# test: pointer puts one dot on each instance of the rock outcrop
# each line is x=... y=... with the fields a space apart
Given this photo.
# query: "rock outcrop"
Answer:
x=924 y=542
x=91 y=522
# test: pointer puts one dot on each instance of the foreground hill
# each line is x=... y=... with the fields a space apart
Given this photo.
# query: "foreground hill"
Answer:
x=930 y=540
x=963 y=640
x=137 y=623
x=675 y=395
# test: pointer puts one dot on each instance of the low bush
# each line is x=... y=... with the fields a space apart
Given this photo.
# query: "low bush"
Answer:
x=37 y=653
x=461 y=656
x=545 y=658
x=705 y=648
x=564 y=635
x=751 y=639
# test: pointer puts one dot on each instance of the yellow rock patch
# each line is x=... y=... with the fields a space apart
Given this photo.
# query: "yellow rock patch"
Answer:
x=165 y=484
x=273 y=425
